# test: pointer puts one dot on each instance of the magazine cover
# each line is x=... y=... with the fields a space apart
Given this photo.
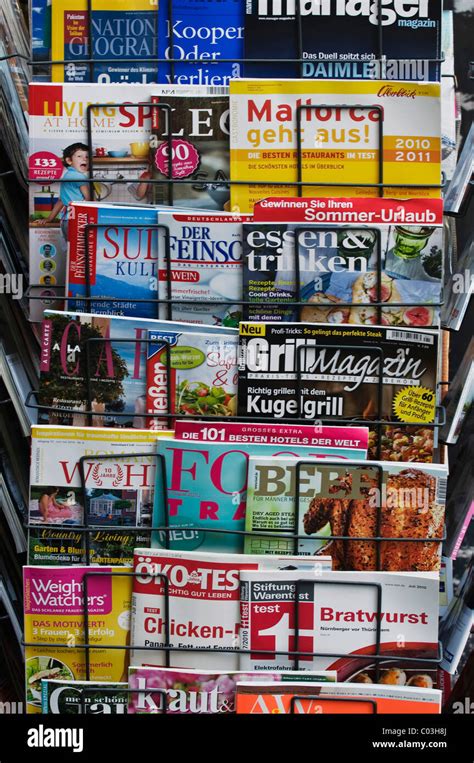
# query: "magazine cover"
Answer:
x=202 y=370
x=112 y=260
x=196 y=122
x=207 y=490
x=460 y=504
x=459 y=398
x=54 y=615
x=273 y=434
x=376 y=498
x=78 y=697
x=201 y=29
x=340 y=245
x=119 y=158
x=450 y=107
x=459 y=289
x=341 y=40
x=334 y=618
x=118 y=492
x=124 y=30
x=202 y=609
x=205 y=264
x=332 y=372
x=86 y=356
x=339 y=143
x=316 y=699
x=178 y=692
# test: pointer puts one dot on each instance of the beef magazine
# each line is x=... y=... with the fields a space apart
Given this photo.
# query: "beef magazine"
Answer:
x=338 y=614
x=196 y=122
x=118 y=491
x=340 y=40
x=376 y=498
x=184 y=692
x=55 y=625
x=207 y=489
x=201 y=610
x=317 y=699
x=104 y=356
x=327 y=253
x=296 y=370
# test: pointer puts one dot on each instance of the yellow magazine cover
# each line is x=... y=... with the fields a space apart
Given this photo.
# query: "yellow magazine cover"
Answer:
x=125 y=30
x=54 y=609
x=346 y=128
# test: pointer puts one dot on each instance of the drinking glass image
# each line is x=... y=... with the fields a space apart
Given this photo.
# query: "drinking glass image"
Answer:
x=410 y=242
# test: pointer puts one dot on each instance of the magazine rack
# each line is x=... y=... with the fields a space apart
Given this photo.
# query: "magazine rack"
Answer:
x=377 y=657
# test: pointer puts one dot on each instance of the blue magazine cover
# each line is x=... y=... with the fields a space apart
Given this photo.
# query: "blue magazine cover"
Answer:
x=207 y=29
x=207 y=489
x=121 y=262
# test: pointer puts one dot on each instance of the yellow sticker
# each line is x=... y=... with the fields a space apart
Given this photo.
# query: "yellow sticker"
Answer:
x=415 y=404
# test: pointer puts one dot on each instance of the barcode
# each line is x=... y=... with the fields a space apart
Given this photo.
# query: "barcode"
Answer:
x=217 y=90
x=441 y=490
x=410 y=336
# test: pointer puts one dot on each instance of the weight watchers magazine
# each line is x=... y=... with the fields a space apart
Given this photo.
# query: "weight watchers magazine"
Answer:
x=376 y=498
x=201 y=611
x=207 y=490
x=54 y=615
x=295 y=370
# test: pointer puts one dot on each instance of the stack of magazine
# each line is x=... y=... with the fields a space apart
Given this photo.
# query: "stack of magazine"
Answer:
x=233 y=303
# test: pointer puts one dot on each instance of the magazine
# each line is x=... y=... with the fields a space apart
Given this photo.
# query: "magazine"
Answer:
x=459 y=289
x=374 y=499
x=118 y=491
x=77 y=697
x=332 y=373
x=340 y=244
x=459 y=398
x=124 y=30
x=201 y=611
x=40 y=26
x=341 y=40
x=160 y=690
x=194 y=125
x=273 y=434
x=319 y=699
x=450 y=106
x=59 y=151
x=54 y=606
x=202 y=371
x=460 y=504
x=337 y=615
x=205 y=264
x=113 y=261
x=102 y=359
x=456 y=625
x=201 y=29
x=207 y=490
x=339 y=143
